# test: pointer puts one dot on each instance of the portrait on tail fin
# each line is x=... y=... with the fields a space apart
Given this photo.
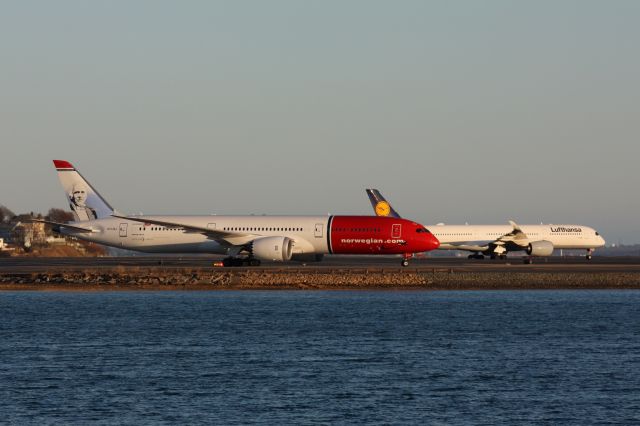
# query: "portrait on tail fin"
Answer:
x=85 y=202
x=78 y=203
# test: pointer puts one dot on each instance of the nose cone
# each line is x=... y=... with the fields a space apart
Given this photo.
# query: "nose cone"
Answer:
x=601 y=241
x=431 y=242
x=435 y=242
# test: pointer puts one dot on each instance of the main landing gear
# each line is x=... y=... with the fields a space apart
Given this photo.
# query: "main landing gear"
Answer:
x=240 y=261
x=492 y=256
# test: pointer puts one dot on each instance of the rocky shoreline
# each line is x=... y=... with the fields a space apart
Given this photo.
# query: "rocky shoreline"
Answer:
x=247 y=279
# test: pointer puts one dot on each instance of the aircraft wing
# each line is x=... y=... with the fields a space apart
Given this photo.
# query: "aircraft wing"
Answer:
x=59 y=225
x=515 y=237
x=224 y=237
x=464 y=246
x=514 y=240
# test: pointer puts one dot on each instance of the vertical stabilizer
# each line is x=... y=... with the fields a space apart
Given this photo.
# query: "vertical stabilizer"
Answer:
x=381 y=206
x=85 y=202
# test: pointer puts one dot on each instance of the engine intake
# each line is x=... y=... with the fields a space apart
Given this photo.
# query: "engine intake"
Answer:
x=279 y=249
x=540 y=248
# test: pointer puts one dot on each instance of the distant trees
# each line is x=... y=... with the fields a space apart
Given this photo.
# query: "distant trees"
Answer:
x=59 y=215
x=54 y=215
x=5 y=214
x=25 y=217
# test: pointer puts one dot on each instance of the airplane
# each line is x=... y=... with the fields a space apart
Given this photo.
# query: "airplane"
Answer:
x=496 y=241
x=246 y=240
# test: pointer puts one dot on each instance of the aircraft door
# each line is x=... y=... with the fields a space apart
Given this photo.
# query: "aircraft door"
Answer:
x=123 y=229
x=396 y=230
x=318 y=230
x=211 y=225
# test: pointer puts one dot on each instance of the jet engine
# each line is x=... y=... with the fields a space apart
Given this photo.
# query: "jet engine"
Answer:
x=540 y=248
x=272 y=248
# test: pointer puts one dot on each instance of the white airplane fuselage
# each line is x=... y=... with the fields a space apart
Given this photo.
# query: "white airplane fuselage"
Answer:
x=498 y=240
x=150 y=238
x=309 y=234
x=561 y=236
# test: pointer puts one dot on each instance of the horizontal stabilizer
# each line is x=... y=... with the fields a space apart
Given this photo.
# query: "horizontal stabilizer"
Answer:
x=59 y=225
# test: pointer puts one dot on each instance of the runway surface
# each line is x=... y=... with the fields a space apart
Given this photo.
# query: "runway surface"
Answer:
x=552 y=264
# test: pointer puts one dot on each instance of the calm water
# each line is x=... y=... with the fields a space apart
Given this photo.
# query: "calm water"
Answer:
x=489 y=357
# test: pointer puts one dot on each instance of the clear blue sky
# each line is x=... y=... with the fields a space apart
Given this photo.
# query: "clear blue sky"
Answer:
x=461 y=111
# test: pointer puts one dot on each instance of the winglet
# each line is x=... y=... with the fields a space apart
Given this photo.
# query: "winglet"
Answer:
x=516 y=227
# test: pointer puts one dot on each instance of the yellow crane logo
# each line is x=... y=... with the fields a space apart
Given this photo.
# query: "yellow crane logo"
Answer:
x=383 y=208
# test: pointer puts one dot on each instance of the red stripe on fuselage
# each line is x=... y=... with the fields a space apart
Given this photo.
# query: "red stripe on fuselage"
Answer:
x=378 y=235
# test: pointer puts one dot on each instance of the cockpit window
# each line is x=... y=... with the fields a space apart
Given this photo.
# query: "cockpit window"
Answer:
x=597 y=233
x=421 y=230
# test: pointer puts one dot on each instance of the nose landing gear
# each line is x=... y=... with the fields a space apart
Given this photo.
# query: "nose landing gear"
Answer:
x=589 y=255
x=405 y=259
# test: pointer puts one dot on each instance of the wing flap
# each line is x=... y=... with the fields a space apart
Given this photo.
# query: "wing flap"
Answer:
x=465 y=247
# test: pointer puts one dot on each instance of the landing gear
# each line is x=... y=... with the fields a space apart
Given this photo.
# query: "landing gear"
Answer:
x=527 y=260
x=589 y=255
x=231 y=261
x=240 y=261
x=405 y=260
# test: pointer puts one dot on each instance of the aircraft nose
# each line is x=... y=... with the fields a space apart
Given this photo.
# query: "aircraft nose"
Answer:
x=432 y=242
